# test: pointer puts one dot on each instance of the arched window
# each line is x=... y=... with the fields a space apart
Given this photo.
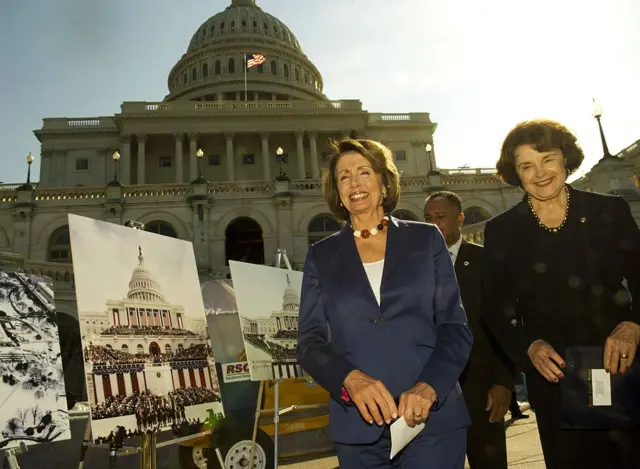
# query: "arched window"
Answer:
x=274 y=68
x=286 y=70
x=205 y=70
x=140 y=349
x=475 y=215
x=244 y=241
x=261 y=68
x=218 y=68
x=186 y=79
x=297 y=74
x=161 y=227
x=193 y=73
x=404 y=215
x=180 y=347
x=59 y=249
x=231 y=66
x=125 y=348
x=320 y=227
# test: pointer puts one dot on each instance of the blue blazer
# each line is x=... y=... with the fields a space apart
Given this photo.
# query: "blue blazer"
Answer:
x=419 y=332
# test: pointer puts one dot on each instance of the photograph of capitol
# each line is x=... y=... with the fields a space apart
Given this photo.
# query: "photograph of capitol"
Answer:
x=148 y=362
x=268 y=301
x=236 y=170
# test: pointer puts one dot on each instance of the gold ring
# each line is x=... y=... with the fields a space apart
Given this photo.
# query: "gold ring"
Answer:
x=418 y=413
x=625 y=356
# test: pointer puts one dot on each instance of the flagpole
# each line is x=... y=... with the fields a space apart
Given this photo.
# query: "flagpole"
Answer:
x=245 y=77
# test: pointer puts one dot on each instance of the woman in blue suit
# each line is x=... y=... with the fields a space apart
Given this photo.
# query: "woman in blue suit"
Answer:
x=387 y=291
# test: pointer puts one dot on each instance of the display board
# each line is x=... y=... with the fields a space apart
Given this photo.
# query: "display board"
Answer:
x=268 y=303
x=148 y=361
x=33 y=405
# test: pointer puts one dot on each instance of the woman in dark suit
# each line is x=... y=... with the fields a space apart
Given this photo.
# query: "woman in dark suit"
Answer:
x=553 y=279
x=387 y=291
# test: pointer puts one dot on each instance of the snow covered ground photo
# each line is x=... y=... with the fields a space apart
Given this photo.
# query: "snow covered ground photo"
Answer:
x=33 y=406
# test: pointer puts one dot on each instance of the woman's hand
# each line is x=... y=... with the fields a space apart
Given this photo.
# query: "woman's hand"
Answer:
x=620 y=347
x=372 y=398
x=416 y=403
x=546 y=360
x=498 y=400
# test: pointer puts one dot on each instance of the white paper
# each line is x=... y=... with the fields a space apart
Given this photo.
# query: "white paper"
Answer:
x=600 y=387
x=402 y=434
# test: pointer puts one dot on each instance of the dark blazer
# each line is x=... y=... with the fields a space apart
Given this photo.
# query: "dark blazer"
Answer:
x=419 y=331
x=566 y=287
x=487 y=365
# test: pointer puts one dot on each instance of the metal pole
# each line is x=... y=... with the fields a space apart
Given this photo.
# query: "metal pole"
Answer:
x=276 y=421
x=280 y=254
x=245 y=77
x=148 y=451
x=256 y=421
x=86 y=441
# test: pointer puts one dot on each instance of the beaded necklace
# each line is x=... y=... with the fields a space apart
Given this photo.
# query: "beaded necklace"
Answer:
x=542 y=225
x=364 y=234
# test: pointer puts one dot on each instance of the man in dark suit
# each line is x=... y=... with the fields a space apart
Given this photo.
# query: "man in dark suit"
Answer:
x=487 y=380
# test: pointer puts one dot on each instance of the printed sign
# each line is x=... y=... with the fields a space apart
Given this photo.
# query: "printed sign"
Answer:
x=234 y=372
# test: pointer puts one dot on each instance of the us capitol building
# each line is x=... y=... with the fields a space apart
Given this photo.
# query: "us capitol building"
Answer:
x=204 y=163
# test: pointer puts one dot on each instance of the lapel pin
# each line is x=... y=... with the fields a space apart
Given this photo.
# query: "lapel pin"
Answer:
x=583 y=220
x=466 y=263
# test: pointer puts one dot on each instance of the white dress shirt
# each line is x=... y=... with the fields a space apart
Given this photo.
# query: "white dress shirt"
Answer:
x=453 y=250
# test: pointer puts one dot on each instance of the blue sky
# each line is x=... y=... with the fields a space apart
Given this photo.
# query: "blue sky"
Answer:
x=477 y=67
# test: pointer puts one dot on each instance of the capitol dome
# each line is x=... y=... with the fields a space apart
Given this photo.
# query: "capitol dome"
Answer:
x=290 y=299
x=212 y=69
x=143 y=286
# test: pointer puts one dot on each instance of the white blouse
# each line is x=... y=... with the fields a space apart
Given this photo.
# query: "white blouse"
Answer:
x=374 y=273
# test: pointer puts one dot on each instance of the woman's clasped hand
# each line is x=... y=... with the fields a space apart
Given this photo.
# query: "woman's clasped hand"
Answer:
x=376 y=404
x=372 y=398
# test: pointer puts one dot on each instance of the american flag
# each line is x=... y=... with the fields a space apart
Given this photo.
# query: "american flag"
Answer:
x=253 y=60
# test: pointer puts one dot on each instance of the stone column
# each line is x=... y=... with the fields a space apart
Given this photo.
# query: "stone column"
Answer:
x=22 y=218
x=124 y=165
x=178 y=157
x=230 y=160
x=142 y=158
x=193 y=161
x=284 y=218
x=108 y=164
x=266 y=158
x=302 y=172
x=46 y=168
x=60 y=165
x=313 y=154
x=432 y=158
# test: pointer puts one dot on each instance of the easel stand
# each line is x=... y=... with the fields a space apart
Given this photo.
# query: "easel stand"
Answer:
x=10 y=455
x=281 y=254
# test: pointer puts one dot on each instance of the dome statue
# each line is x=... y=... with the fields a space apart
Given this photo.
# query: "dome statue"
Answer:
x=213 y=68
x=291 y=298
x=143 y=286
